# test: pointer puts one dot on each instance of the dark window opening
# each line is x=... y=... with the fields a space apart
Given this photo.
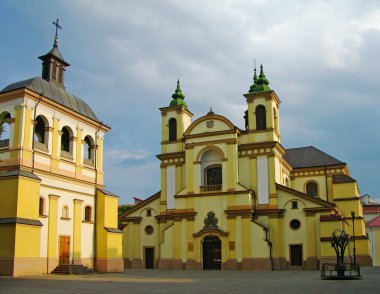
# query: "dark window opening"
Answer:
x=41 y=207
x=39 y=130
x=214 y=176
x=172 y=129
x=294 y=205
x=149 y=230
x=312 y=189
x=87 y=148
x=87 y=213
x=54 y=74
x=261 y=122
x=60 y=75
x=295 y=224
x=149 y=212
x=65 y=140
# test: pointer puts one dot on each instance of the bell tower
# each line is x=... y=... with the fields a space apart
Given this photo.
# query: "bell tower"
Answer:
x=53 y=64
x=176 y=118
x=262 y=117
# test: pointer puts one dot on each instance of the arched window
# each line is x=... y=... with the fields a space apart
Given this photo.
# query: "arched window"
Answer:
x=65 y=140
x=87 y=213
x=65 y=212
x=312 y=189
x=213 y=175
x=5 y=129
x=261 y=120
x=42 y=206
x=172 y=129
x=39 y=130
x=211 y=171
x=88 y=149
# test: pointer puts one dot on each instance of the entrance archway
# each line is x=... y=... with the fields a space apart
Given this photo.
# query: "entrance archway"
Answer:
x=212 y=255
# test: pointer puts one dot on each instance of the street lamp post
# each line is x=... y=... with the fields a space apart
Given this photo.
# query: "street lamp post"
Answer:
x=353 y=233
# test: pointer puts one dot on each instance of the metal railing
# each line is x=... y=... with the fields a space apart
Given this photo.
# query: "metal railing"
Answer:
x=210 y=188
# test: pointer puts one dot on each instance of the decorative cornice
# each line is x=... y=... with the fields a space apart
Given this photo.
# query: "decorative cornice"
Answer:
x=20 y=220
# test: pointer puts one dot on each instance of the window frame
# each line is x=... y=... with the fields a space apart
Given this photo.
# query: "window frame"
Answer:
x=87 y=215
x=261 y=117
x=172 y=129
x=308 y=184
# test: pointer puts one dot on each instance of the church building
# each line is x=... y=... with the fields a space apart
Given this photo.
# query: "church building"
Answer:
x=54 y=209
x=236 y=199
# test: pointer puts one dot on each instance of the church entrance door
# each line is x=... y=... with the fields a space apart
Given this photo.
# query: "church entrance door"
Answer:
x=296 y=255
x=64 y=249
x=212 y=257
x=149 y=258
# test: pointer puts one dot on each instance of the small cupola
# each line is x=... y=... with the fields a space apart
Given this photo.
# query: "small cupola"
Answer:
x=53 y=64
x=260 y=84
x=178 y=97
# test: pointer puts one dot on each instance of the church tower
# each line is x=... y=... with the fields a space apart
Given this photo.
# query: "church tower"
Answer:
x=263 y=110
x=263 y=129
x=176 y=118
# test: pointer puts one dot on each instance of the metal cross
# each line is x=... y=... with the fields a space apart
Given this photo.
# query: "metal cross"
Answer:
x=57 y=26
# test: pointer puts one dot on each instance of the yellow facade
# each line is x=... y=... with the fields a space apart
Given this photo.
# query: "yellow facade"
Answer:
x=51 y=181
x=236 y=199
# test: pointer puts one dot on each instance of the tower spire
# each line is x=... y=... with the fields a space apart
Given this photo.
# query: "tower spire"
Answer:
x=253 y=86
x=178 y=97
x=261 y=83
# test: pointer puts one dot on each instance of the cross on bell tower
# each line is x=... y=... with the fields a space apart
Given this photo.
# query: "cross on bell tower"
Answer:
x=53 y=64
x=57 y=26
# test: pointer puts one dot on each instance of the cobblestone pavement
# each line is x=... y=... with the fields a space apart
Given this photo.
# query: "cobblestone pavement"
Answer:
x=161 y=281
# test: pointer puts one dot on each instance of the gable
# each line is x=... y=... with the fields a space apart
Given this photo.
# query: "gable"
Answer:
x=210 y=123
x=286 y=194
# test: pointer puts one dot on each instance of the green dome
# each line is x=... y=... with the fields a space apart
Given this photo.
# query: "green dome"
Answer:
x=178 y=97
x=261 y=83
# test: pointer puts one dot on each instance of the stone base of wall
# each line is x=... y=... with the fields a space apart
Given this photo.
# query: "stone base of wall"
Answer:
x=364 y=260
x=22 y=266
x=136 y=263
x=231 y=265
x=171 y=264
x=251 y=264
x=127 y=263
x=279 y=263
x=191 y=264
x=311 y=263
x=109 y=265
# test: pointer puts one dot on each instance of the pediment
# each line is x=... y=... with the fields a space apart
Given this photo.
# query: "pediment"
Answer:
x=210 y=124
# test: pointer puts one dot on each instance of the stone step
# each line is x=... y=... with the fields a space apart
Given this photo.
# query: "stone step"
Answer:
x=71 y=269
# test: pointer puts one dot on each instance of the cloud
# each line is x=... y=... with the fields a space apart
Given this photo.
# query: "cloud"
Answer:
x=321 y=58
x=119 y=156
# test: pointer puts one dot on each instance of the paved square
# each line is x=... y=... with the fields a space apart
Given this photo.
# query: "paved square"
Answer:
x=160 y=281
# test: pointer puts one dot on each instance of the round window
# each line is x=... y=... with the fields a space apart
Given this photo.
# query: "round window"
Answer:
x=295 y=224
x=149 y=230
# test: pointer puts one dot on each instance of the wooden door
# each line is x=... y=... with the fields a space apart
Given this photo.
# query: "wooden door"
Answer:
x=296 y=255
x=149 y=258
x=212 y=258
x=64 y=249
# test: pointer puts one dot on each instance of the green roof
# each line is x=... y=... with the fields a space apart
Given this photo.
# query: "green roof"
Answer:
x=178 y=97
x=260 y=84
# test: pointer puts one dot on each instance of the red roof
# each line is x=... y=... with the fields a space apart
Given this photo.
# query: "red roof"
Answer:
x=374 y=222
x=371 y=208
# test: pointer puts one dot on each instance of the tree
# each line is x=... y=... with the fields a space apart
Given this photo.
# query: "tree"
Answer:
x=122 y=209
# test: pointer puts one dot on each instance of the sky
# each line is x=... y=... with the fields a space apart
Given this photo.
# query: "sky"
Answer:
x=321 y=58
